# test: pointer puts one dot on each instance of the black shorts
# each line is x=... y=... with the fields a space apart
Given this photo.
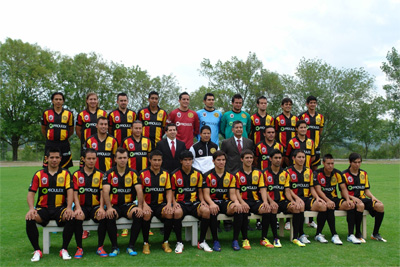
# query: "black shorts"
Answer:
x=308 y=202
x=157 y=210
x=47 y=214
x=338 y=202
x=317 y=160
x=190 y=208
x=254 y=206
x=124 y=210
x=283 y=206
x=369 y=205
x=90 y=213
x=66 y=159
x=223 y=205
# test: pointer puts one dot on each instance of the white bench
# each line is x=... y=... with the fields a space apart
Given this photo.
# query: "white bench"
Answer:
x=190 y=224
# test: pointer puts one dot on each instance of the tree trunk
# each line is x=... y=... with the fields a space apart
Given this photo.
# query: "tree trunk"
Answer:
x=15 y=145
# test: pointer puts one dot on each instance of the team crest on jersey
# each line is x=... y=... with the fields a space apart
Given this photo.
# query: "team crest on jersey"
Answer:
x=212 y=150
x=362 y=177
x=216 y=115
x=108 y=145
x=128 y=180
x=213 y=182
x=116 y=118
x=323 y=181
x=51 y=117
x=115 y=180
x=130 y=117
x=190 y=115
x=159 y=115
x=257 y=120
x=318 y=120
x=162 y=179
x=145 y=146
x=255 y=179
x=61 y=180
x=204 y=114
x=282 y=122
x=147 y=115
x=296 y=144
x=81 y=180
x=226 y=181
x=179 y=181
x=293 y=176
x=231 y=116
x=307 y=120
x=193 y=180
x=269 y=178
x=147 y=180
x=94 y=145
x=244 y=116
x=333 y=180
x=308 y=142
x=350 y=178
x=200 y=152
x=268 y=121
x=306 y=176
x=64 y=118
x=242 y=179
x=178 y=114
x=130 y=146
x=96 y=180
x=86 y=117
x=44 y=180
x=263 y=150
x=282 y=178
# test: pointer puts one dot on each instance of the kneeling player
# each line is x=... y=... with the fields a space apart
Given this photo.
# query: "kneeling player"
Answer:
x=326 y=179
x=121 y=185
x=89 y=202
x=299 y=189
x=186 y=185
x=219 y=190
x=53 y=184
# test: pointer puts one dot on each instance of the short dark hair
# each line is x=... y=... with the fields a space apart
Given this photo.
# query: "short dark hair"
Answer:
x=260 y=97
x=310 y=98
x=101 y=118
x=300 y=122
x=219 y=153
x=297 y=151
x=170 y=125
x=236 y=96
x=185 y=154
x=53 y=149
x=57 y=93
x=88 y=151
x=182 y=94
x=268 y=127
x=120 y=150
x=353 y=156
x=155 y=153
x=207 y=95
x=205 y=127
x=286 y=100
x=153 y=93
x=327 y=156
x=246 y=152
x=274 y=152
x=121 y=94
x=137 y=121
x=236 y=122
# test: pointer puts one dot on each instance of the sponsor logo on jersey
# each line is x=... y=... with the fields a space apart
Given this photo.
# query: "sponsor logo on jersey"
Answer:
x=44 y=191
x=55 y=190
x=81 y=190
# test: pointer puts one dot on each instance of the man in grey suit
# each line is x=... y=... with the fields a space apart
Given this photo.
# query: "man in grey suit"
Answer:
x=233 y=147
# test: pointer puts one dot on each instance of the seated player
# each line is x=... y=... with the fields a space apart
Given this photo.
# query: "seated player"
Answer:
x=121 y=185
x=299 y=189
x=326 y=180
x=219 y=191
x=89 y=202
x=53 y=183
x=156 y=185
x=252 y=195
x=357 y=183
x=188 y=199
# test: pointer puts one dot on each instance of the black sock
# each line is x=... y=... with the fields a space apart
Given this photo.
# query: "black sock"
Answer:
x=68 y=232
x=351 y=221
x=359 y=216
x=245 y=225
x=301 y=225
x=330 y=217
x=266 y=218
x=214 y=227
x=135 y=230
x=112 y=232
x=203 y=229
x=101 y=232
x=296 y=224
x=378 y=221
x=274 y=228
x=178 y=229
x=33 y=233
x=78 y=233
x=237 y=225
x=167 y=229
x=321 y=219
x=145 y=230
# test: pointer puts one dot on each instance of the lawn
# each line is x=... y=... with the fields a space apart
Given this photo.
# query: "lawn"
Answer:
x=15 y=248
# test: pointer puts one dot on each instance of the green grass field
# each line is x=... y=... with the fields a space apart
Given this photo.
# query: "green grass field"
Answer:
x=15 y=248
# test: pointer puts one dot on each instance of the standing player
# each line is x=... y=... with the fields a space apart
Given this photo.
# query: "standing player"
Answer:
x=357 y=183
x=121 y=186
x=219 y=190
x=188 y=199
x=252 y=195
x=154 y=119
x=120 y=120
x=260 y=120
x=285 y=123
x=57 y=127
x=54 y=203
x=236 y=114
x=299 y=189
x=186 y=120
x=89 y=201
x=156 y=185
x=104 y=144
x=138 y=147
x=210 y=116
x=315 y=123
x=302 y=142
x=203 y=150
x=265 y=147
x=86 y=121
x=326 y=180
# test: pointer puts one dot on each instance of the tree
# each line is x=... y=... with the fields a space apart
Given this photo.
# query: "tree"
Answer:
x=27 y=77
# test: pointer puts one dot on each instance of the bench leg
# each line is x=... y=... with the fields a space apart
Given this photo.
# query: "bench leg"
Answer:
x=195 y=232
x=46 y=241
x=188 y=233
x=364 y=226
x=291 y=229
x=281 y=227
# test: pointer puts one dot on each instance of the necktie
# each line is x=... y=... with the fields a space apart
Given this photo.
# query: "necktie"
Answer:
x=173 y=149
x=239 y=146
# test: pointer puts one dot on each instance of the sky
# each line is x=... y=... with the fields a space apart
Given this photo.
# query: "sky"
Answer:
x=173 y=37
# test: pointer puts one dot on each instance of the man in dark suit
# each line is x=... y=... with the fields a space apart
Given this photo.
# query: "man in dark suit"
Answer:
x=233 y=147
x=171 y=148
